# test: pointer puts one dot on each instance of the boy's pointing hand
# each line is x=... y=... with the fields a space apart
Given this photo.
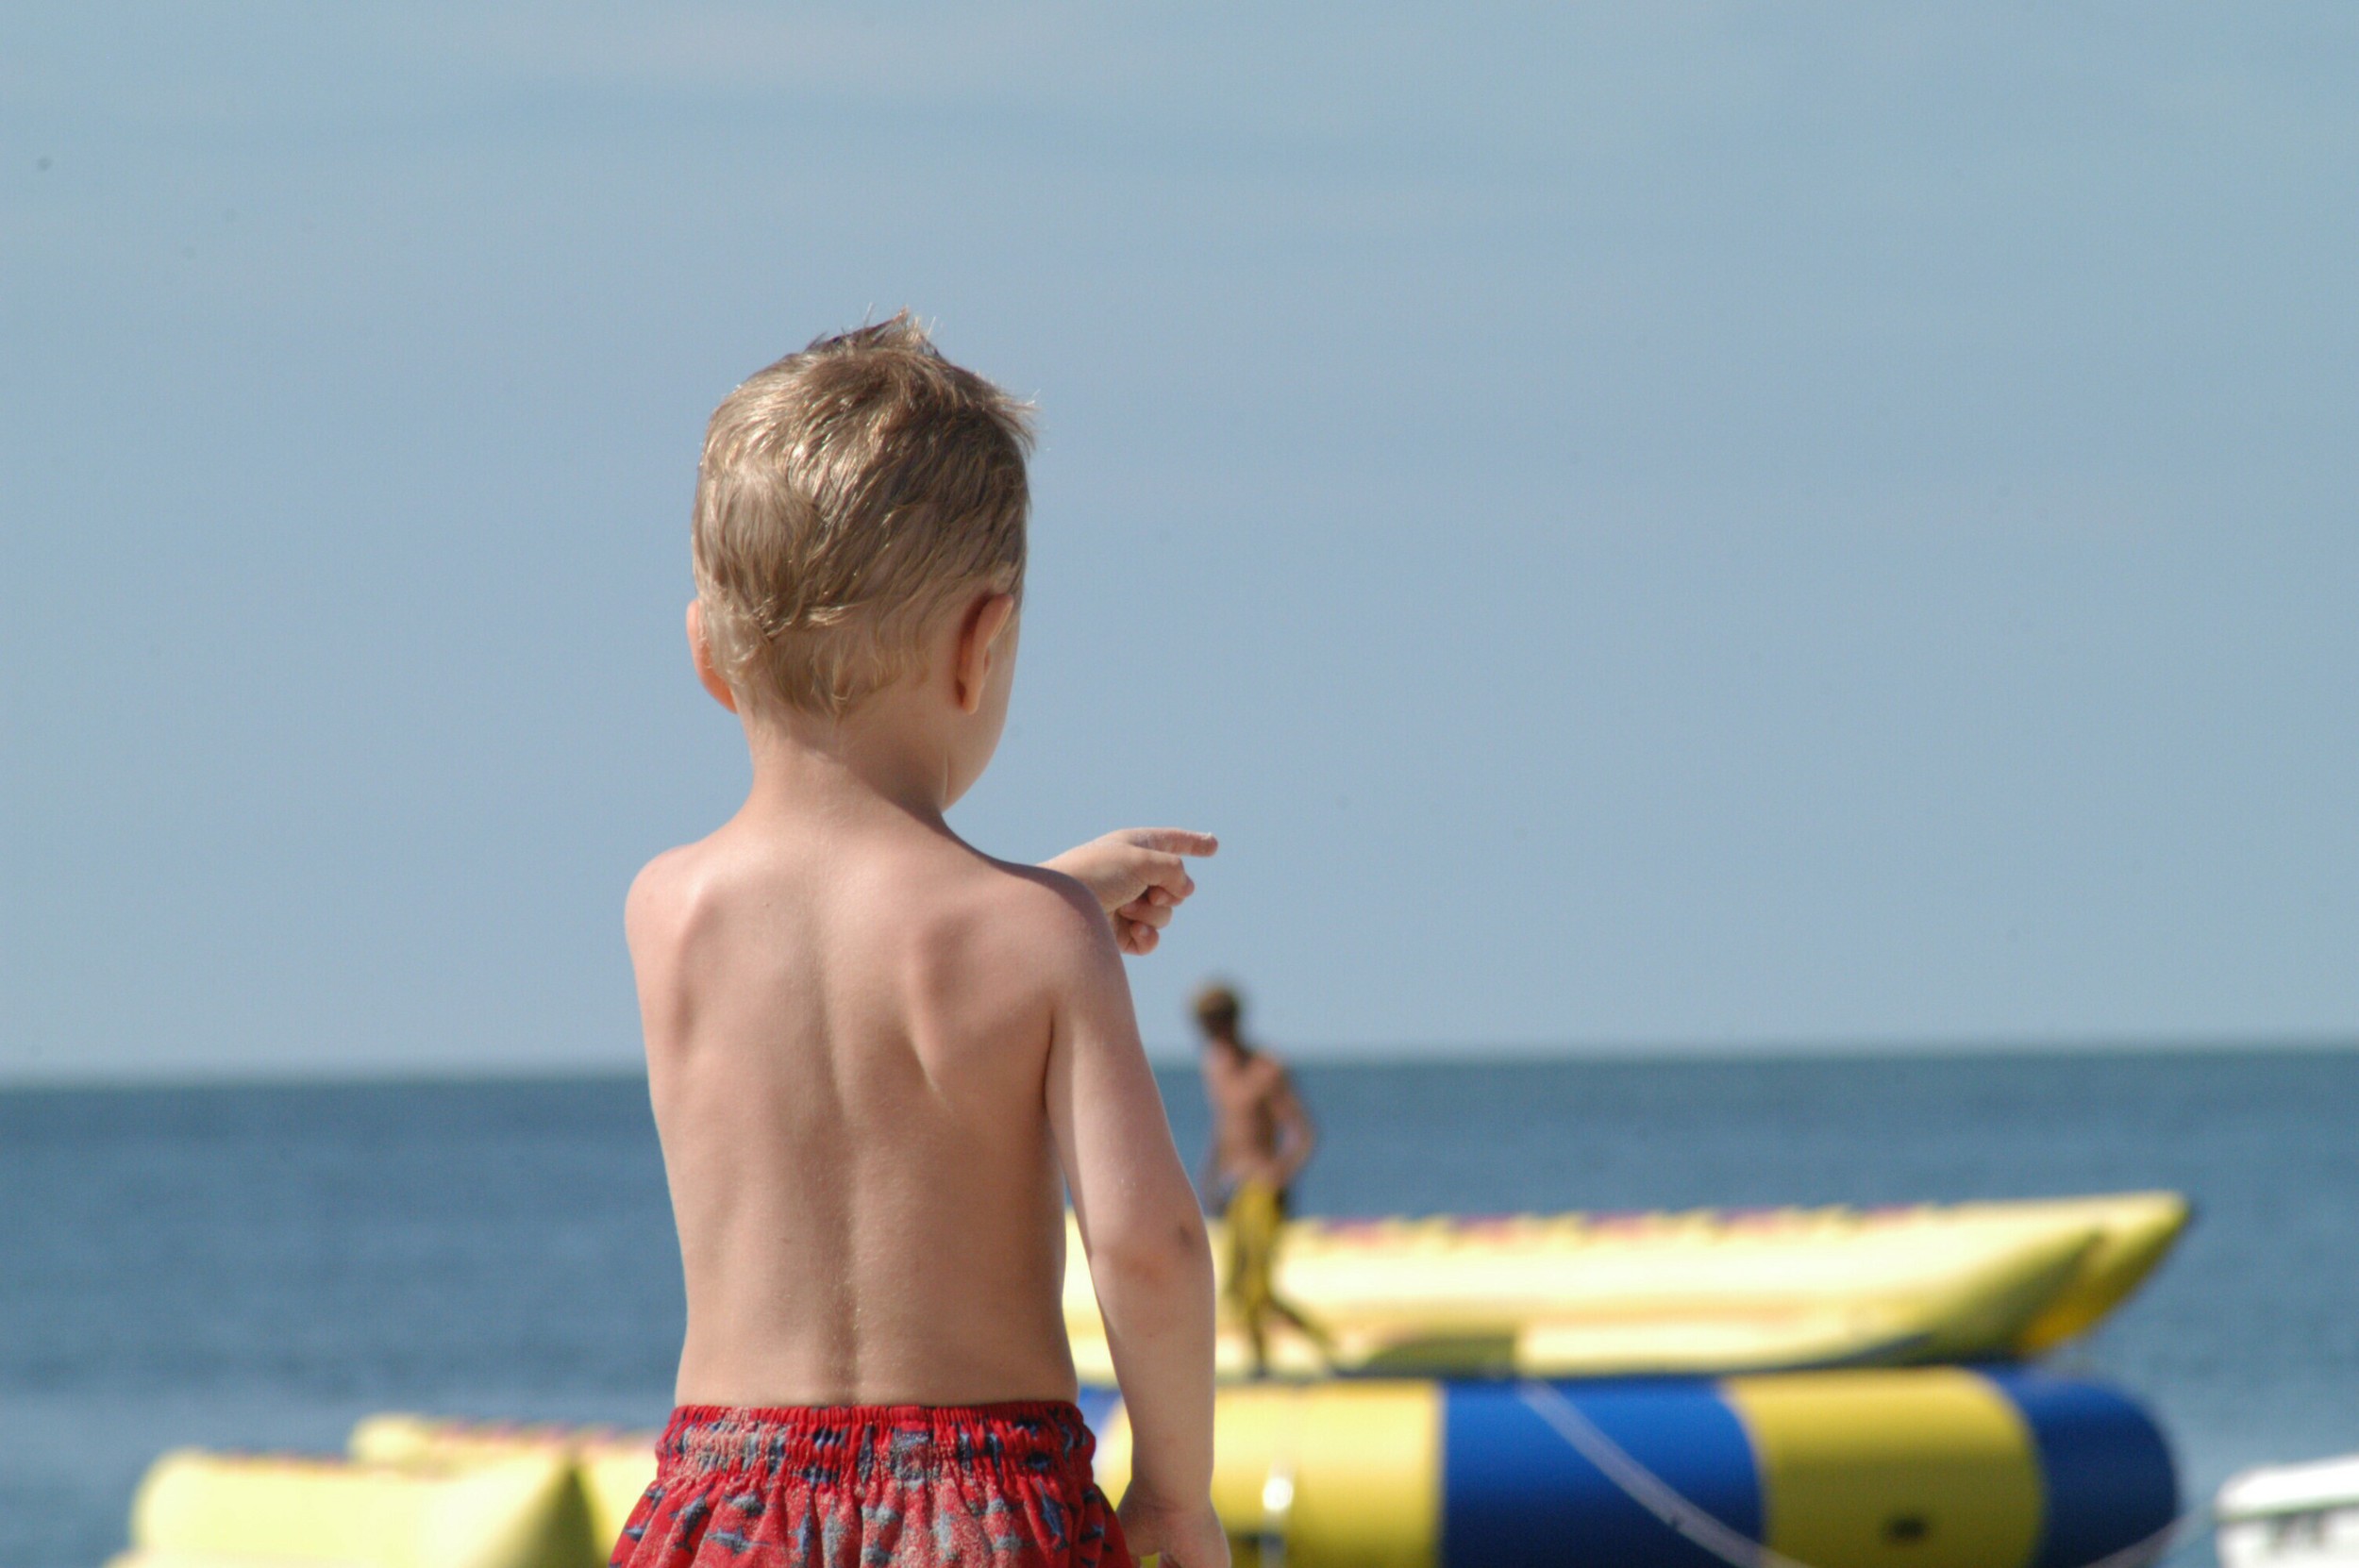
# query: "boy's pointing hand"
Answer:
x=1140 y=875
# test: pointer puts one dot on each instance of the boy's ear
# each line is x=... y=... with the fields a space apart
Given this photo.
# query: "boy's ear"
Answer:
x=979 y=644
x=700 y=649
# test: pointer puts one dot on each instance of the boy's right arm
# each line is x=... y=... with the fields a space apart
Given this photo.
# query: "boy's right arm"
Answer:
x=1145 y=1236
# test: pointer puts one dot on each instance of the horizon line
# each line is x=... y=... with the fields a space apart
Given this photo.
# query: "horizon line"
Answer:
x=1164 y=1054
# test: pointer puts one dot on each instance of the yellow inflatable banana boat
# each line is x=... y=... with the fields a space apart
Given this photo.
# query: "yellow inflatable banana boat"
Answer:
x=1706 y=1292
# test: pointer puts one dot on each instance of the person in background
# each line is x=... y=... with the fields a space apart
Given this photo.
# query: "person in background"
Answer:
x=1261 y=1138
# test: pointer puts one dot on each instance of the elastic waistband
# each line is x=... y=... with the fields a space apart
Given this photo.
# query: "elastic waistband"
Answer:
x=837 y=1443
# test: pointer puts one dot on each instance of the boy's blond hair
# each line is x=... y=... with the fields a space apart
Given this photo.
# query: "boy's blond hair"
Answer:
x=847 y=497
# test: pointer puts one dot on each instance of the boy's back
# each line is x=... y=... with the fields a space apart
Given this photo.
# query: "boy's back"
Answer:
x=880 y=1060
x=847 y=1042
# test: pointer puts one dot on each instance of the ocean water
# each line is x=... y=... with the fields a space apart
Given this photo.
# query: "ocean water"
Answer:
x=258 y=1267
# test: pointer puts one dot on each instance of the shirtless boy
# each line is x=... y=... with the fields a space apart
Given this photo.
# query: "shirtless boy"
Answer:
x=881 y=1061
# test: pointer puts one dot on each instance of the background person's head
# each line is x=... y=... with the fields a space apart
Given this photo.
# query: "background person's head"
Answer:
x=1218 y=1011
x=860 y=528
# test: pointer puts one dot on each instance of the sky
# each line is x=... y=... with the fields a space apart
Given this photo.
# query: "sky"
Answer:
x=1653 y=527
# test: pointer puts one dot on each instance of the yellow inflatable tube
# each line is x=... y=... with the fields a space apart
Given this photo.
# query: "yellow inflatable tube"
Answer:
x=614 y=1468
x=211 y=1510
x=1913 y=1467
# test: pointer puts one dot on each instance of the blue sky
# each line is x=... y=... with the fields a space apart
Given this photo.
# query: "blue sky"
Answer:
x=1715 y=525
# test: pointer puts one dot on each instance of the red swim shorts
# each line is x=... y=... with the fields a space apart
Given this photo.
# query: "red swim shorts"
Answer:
x=979 y=1485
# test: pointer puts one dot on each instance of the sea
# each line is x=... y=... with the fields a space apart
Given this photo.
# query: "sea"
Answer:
x=257 y=1266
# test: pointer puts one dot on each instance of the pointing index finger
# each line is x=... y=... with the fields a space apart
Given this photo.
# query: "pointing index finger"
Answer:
x=1175 y=841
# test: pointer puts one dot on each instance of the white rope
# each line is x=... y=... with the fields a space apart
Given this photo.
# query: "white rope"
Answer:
x=1738 y=1550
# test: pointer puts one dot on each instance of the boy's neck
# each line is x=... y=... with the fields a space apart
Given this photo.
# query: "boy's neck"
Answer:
x=805 y=761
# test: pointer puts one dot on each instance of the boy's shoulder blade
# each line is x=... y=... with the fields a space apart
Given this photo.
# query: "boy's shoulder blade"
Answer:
x=1009 y=918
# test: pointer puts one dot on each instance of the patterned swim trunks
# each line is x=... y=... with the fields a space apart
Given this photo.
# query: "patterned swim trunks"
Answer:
x=978 y=1486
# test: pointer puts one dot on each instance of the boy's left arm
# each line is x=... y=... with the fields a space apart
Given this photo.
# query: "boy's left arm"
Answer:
x=1298 y=1135
x=1140 y=875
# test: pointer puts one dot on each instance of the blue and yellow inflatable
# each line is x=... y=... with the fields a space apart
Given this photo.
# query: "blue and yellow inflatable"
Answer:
x=1931 y=1467
x=1922 y=1467
x=1680 y=1391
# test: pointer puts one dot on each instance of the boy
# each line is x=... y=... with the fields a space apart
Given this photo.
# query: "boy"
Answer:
x=880 y=1059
